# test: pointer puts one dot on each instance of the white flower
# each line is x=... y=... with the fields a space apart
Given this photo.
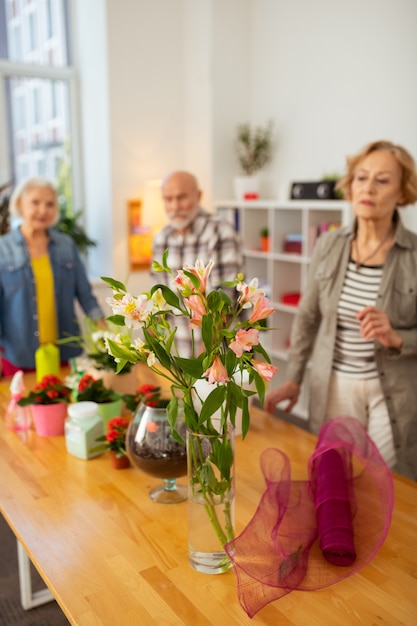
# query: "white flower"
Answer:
x=151 y=360
x=159 y=301
x=135 y=310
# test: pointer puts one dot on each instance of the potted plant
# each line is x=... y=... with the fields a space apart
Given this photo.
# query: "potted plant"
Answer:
x=94 y=390
x=147 y=393
x=48 y=400
x=264 y=234
x=97 y=361
x=254 y=151
x=114 y=441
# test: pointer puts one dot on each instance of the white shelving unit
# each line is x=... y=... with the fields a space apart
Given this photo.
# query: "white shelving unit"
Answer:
x=280 y=272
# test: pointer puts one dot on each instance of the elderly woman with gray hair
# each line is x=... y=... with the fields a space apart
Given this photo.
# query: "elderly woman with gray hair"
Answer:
x=357 y=318
x=41 y=276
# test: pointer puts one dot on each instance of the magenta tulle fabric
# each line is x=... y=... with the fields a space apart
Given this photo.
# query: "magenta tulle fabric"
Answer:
x=310 y=534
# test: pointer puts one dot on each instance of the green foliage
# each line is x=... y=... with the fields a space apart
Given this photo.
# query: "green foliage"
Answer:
x=5 y=191
x=254 y=147
x=70 y=225
x=70 y=220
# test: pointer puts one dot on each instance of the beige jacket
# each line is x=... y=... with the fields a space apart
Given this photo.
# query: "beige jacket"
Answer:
x=314 y=330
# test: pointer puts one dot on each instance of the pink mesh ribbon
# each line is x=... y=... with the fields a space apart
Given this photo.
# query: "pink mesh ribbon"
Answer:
x=311 y=534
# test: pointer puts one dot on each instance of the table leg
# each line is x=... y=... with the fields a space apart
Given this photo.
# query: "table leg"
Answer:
x=28 y=598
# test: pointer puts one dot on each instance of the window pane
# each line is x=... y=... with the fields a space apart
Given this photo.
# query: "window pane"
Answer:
x=34 y=32
x=39 y=133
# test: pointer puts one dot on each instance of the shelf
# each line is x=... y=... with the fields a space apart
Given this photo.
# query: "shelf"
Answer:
x=282 y=272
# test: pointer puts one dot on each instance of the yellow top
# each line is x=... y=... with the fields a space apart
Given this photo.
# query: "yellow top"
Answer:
x=45 y=298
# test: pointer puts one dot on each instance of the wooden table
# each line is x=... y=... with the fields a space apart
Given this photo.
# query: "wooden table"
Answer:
x=110 y=555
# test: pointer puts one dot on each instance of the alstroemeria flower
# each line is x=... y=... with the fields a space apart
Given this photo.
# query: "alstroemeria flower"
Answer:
x=265 y=370
x=201 y=271
x=217 y=372
x=244 y=340
x=261 y=309
x=151 y=360
x=135 y=310
x=250 y=293
x=159 y=301
x=196 y=305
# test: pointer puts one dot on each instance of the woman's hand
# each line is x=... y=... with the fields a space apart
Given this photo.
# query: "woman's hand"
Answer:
x=375 y=324
x=288 y=391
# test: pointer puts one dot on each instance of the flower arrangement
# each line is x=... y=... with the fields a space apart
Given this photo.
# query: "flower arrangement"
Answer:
x=231 y=346
x=147 y=393
x=93 y=343
x=50 y=390
x=94 y=390
x=115 y=437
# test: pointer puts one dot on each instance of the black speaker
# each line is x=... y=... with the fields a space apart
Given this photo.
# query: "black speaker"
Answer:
x=321 y=190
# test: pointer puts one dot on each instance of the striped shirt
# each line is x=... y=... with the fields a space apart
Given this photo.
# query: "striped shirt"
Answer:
x=354 y=357
x=207 y=238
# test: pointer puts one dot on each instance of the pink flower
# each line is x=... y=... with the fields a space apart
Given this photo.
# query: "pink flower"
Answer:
x=261 y=310
x=250 y=293
x=265 y=370
x=244 y=340
x=198 y=310
x=199 y=270
x=217 y=372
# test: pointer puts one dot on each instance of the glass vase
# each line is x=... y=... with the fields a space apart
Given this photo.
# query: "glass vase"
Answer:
x=211 y=498
x=151 y=447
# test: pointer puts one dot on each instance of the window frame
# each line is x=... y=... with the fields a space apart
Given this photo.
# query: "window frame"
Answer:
x=66 y=73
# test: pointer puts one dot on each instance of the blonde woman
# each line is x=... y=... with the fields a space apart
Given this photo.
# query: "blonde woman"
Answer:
x=41 y=276
x=357 y=319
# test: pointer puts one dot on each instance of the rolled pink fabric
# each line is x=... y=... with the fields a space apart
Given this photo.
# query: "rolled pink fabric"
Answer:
x=302 y=531
x=333 y=510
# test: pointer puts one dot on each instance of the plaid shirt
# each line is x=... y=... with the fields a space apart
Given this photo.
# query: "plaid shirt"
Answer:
x=208 y=238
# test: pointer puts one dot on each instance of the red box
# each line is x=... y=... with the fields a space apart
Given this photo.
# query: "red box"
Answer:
x=292 y=299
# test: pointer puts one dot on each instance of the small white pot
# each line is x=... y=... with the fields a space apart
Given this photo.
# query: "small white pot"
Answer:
x=244 y=185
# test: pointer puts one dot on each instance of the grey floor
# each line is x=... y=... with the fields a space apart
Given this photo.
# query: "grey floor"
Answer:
x=11 y=612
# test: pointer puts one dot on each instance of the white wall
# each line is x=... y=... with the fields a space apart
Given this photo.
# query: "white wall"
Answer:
x=165 y=83
x=334 y=76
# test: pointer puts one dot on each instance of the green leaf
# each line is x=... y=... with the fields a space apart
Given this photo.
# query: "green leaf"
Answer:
x=169 y=296
x=193 y=278
x=120 y=352
x=192 y=367
x=261 y=350
x=118 y=320
x=212 y=403
x=260 y=387
x=207 y=331
x=245 y=417
x=231 y=360
x=165 y=259
x=158 y=349
x=114 y=284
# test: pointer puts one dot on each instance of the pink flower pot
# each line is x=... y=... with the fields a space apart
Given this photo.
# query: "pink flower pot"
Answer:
x=49 y=419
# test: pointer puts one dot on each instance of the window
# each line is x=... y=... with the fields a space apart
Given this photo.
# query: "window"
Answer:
x=37 y=92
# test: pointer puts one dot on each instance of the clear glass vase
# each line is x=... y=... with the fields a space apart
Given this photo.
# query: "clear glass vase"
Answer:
x=211 y=498
x=152 y=448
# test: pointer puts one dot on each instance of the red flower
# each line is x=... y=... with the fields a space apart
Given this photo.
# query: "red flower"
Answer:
x=85 y=382
x=50 y=390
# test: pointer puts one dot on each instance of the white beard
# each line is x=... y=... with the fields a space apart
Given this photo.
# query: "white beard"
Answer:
x=182 y=222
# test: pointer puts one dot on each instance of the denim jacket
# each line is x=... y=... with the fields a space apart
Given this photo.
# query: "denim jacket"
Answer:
x=19 y=334
x=314 y=331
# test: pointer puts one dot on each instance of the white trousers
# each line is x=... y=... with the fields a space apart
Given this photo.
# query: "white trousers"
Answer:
x=364 y=400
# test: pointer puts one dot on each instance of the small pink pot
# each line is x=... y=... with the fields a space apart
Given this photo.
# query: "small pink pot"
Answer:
x=49 y=419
